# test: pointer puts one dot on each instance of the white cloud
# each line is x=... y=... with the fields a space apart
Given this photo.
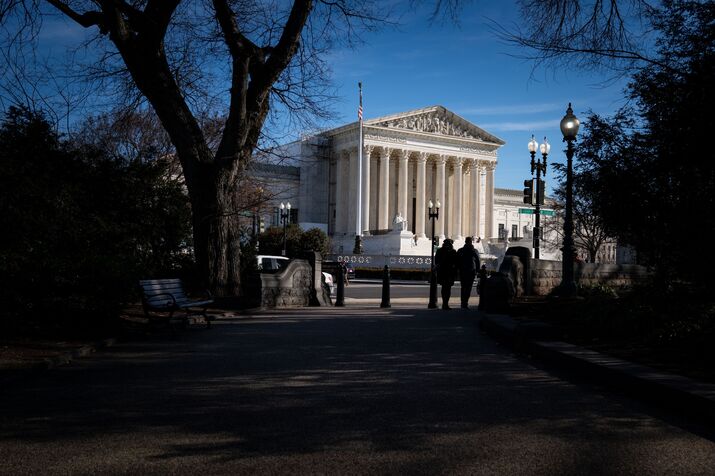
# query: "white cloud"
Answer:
x=521 y=126
x=511 y=109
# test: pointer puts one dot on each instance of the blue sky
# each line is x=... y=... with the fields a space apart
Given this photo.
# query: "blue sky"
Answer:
x=464 y=68
x=468 y=70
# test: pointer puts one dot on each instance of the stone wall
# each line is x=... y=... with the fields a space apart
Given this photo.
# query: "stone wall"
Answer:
x=288 y=288
x=546 y=275
x=299 y=284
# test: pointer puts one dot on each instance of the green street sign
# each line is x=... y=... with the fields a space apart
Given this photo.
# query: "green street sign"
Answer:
x=530 y=211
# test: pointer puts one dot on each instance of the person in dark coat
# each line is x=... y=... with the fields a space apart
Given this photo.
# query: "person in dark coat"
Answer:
x=445 y=261
x=468 y=260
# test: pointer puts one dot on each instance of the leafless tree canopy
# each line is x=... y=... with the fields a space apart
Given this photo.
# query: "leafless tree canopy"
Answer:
x=201 y=41
x=247 y=61
x=615 y=35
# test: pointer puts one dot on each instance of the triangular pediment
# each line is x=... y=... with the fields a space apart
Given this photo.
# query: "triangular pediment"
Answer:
x=435 y=120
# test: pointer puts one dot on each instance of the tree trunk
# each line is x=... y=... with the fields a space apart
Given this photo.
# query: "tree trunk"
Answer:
x=216 y=227
x=212 y=184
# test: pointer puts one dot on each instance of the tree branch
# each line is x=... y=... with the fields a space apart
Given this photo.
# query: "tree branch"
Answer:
x=236 y=42
x=159 y=12
x=285 y=49
x=86 y=20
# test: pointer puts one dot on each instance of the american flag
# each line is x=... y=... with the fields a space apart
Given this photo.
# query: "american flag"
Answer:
x=360 y=106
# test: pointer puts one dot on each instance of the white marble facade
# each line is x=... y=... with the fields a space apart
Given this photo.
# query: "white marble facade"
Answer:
x=408 y=160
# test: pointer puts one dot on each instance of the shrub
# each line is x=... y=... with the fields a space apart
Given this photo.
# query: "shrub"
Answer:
x=80 y=228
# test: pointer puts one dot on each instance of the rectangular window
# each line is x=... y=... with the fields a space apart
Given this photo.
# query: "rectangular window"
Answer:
x=502 y=231
x=515 y=231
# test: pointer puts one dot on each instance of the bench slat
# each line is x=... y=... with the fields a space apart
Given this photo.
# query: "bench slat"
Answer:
x=160 y=281
x=158 y=288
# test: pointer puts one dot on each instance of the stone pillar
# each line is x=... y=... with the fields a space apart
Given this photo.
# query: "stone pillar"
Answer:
x=341 y=193
x=421 y=199
x=383 y=202
x=476 y=187
x=439 y=224
x=367 y=152
x=489 y=203
x=403 y=183
x=352 y=183
x=457 y=200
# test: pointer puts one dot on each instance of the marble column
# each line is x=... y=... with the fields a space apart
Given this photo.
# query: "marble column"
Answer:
x=476 y=187
x=457 y=200
x=421 y=199
x=403 y=183
x=367 y=152
x=341 y=193
x=353 y=205
x=489 y=203
x=439 y=224
x=384 y=182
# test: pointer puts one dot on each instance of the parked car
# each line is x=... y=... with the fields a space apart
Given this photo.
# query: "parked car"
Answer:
x=273 y=264
x=329 y=282
x=268 y=263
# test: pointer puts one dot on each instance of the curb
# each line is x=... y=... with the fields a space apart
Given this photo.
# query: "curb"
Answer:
x=540 y=340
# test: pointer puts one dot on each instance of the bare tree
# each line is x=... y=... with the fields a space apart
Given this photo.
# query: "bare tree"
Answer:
x=615 y=35
x=266 y=57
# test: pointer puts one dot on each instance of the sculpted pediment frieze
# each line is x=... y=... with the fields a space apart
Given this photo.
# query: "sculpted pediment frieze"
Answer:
x=433 y=123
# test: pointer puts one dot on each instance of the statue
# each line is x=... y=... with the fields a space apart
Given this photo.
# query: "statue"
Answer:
x=400 y=224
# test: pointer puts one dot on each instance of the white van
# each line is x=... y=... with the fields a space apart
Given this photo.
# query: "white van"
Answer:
x=272 y=264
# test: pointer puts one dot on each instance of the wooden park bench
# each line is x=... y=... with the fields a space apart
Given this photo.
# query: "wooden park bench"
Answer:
x=164 y=297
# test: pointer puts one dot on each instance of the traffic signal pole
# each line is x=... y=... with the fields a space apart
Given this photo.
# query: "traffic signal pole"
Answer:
x=537 y=222
x=534 y=189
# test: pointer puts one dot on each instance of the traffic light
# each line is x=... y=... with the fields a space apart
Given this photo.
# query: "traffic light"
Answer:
x=540 y=192
x=529 y=191
x=261 y=226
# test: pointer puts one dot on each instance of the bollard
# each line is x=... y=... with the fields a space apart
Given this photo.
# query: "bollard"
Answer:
x=340 y=297
x=385 y=287
x=432 y=291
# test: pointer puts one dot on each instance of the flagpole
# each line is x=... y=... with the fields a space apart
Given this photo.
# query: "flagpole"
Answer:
x=358 y=220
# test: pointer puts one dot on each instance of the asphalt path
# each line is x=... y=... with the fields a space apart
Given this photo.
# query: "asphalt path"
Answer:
x=358 y=390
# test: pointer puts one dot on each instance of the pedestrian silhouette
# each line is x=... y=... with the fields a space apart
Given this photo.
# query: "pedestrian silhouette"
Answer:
x=468 y=260
x=445 y=260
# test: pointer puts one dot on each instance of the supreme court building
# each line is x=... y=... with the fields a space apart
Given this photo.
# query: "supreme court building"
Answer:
x=408 y=160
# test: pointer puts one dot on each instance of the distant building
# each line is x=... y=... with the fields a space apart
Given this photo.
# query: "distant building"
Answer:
x=408 y=160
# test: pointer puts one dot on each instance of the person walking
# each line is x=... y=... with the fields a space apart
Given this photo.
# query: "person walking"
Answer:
x=445 y=260
x=468 y=260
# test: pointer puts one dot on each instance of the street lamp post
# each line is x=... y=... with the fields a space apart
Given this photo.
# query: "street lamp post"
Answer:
x=538 y=166
x=433 y=278
x=285 y=213
x=569 y=129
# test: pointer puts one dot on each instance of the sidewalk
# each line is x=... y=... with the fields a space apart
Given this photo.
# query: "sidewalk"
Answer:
x=535 y=339
x=18 y=355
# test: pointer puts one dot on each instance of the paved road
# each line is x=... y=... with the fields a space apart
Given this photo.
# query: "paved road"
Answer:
x=402 y=293
x=366 y=391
